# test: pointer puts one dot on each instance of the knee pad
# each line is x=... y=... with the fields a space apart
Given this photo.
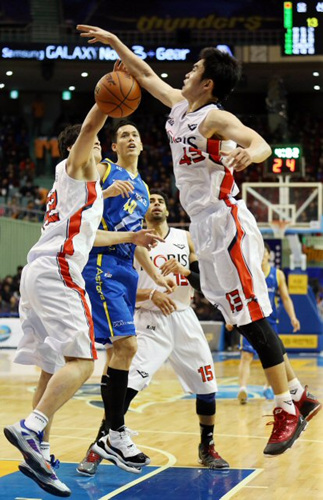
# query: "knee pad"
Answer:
x=264 y=340
x=205 y=404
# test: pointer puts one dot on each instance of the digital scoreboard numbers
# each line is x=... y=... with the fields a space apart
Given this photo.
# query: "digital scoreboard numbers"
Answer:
x=286 y=159
x=303 y=28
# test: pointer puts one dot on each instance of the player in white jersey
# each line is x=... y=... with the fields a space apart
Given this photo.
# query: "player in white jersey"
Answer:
x=167 y=328
x=208 y=144
x=54 y=308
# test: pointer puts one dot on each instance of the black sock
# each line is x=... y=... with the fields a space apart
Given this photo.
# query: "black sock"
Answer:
x=130 y=395
x=113 y=394
x=206 y=433
x=103 y=431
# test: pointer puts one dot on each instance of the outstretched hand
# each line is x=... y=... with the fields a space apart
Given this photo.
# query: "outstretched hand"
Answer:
x=95 y=34
x=146 y=238
x=123 y=188
x=120 y=66
x=172 y=266
x=167 y=283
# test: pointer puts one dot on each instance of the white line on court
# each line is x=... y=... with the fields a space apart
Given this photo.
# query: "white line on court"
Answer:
x=170 y=463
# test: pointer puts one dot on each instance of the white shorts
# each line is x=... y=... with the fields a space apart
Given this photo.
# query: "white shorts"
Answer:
x=179 y=338
x=230 y=249
x=55 y=315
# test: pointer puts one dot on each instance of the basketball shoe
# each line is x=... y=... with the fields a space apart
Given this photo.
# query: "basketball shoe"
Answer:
x=90 y=463
x=210 y=458
x=243 y=396
x=287 y=428
x=28 y=443
x=51 y=483
x=308 y=406
x=118 y=448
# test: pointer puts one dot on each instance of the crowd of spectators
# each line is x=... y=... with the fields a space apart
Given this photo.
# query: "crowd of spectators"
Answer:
x=20 y=197
x=9 y=293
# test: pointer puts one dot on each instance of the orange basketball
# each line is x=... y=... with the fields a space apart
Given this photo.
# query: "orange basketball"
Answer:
x=117 y=94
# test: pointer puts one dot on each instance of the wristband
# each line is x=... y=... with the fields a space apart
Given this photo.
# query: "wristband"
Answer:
x=152 y=294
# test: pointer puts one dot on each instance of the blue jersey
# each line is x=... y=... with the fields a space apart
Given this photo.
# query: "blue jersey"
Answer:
x=272 y=285
x=122 y=214
x=110 y=278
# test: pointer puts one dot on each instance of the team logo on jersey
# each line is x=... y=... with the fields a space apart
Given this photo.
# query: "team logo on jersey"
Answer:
x=143 y=374
x=193 y=126
x=171 y=121
x=179 y=245
x=107 y=275
x=151 y=327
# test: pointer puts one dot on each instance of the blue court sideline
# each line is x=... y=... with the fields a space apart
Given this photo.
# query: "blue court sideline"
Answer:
x=174 y=483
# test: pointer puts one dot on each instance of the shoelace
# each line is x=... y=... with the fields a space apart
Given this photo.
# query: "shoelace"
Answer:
x=54 y=462
x=278 y=422
x=131 y=432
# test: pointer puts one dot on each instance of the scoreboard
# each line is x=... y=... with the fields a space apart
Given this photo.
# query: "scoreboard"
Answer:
x=286 y=159
x=303 y=28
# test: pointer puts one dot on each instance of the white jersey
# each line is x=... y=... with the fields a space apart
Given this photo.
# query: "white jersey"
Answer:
x=200 y=172
x=73 y=213
x=175 y=246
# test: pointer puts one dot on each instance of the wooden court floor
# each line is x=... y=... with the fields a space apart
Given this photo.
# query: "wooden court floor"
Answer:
x=169 y=433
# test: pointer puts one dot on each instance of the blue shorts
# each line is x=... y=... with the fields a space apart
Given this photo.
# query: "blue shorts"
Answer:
x=246 y=346
x=111 y=283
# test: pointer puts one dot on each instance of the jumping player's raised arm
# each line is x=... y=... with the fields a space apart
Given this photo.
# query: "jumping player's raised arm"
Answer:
x=143 y=73
x=81 y=163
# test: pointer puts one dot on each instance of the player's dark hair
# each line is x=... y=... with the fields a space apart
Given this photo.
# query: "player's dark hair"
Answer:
x=267 y=247
x=120 y=124
x=67 y=138
x=160 y=193
x=222 y=69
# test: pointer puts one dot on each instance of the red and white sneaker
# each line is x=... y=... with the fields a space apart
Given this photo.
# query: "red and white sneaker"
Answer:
x=308 y=406
x=287 y=428
x=90 y=463
x=210 y=458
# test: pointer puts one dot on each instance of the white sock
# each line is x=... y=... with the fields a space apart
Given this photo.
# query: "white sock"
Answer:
x=45 y=449
x=285 y=402
x=36 y=421
x=296 y=389
x=243 y=388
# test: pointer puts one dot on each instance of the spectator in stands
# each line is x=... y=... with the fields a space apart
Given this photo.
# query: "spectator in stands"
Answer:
x=38 y=113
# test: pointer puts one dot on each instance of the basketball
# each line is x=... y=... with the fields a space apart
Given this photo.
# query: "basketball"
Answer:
x=117 y=94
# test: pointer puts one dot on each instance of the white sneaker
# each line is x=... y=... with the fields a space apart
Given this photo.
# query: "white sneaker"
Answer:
x=120 y=449
x=28 y=443
x=51 y=484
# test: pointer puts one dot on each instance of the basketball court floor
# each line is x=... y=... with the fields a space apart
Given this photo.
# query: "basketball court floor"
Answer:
x=168 y=431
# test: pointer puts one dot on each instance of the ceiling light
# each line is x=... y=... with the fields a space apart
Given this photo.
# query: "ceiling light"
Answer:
x=9 y=73
x=71 y=87
x=164 y=75
x=316 y=73
x=84 y=74
x=2 y=85
x=317 y=87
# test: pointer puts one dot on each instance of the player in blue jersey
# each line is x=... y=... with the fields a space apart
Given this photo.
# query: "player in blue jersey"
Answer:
x=276 y=284
x=111 y=282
